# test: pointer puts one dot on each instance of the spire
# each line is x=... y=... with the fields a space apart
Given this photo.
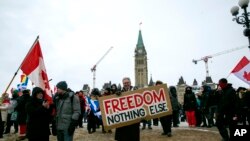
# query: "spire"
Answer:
x=181 y=81
x=209 y=79
x=151 y=82
x=140 y=41
x=195 y=83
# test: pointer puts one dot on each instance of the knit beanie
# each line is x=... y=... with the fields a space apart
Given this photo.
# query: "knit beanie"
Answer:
x=15 y=94
x=62 y=85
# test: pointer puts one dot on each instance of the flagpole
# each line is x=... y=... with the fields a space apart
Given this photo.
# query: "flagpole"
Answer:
x=228 y=75
x=21 y=65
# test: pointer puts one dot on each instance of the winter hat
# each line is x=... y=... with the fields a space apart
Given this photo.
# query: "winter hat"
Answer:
x=172 y=90
x=158 y=82
x=27 y=91
x=188 y=89
x=37 y=90
x=62 y=85
x=96 y=92
x=15 y=94
x=241 y=88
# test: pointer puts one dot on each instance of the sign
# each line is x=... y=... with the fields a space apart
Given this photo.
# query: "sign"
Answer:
x=133 y=106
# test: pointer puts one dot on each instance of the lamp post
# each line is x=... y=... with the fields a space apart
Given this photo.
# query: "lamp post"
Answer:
x=243 y=19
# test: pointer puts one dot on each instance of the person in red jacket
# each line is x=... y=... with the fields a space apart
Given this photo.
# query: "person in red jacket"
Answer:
x=83 y=107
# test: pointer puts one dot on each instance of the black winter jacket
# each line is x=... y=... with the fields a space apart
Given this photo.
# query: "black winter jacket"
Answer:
x=38 y=119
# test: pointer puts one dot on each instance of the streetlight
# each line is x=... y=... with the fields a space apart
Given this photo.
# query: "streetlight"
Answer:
x=243 y=19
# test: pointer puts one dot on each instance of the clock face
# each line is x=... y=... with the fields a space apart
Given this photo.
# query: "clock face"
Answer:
x=140 y=50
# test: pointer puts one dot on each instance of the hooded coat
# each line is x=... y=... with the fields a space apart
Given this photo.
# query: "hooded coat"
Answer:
x=38 y=118
x=205 y=97
x=190 y=103
x=20 y=108
x=174 y=100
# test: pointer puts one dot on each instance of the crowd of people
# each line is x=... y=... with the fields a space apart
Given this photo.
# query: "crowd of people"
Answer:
x=35 y=118
x=223 y=107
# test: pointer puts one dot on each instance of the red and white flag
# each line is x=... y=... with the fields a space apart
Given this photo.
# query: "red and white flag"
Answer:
x=33 y=66
x=242 y=70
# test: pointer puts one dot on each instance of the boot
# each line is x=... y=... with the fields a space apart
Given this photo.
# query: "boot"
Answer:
x=89 y=132
x=143 y=127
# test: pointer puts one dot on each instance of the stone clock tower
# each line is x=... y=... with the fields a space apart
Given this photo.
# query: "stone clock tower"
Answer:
x=141 y=65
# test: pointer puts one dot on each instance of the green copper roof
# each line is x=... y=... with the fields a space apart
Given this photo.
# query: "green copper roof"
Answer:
x=140 y=41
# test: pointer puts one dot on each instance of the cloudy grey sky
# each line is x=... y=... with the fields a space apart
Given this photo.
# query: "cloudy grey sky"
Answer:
x=74 y=34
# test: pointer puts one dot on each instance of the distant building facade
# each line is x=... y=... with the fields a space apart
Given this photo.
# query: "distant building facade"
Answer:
x=180 y=88
x=181 y=85
x=208 y=81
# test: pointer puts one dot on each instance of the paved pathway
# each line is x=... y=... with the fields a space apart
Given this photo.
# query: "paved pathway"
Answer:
x=183 y=125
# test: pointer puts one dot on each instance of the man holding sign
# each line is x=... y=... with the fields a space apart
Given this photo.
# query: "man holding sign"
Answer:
x=130 y=132
x=125 y=111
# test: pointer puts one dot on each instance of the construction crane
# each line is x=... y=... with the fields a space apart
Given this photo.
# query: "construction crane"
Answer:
x=93 y=69
x=205 y=58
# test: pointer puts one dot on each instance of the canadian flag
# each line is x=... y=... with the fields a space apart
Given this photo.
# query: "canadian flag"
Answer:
x=33 y=66
x=242 y=70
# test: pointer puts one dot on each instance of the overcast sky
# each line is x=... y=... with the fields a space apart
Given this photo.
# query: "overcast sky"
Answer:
x=74 y=35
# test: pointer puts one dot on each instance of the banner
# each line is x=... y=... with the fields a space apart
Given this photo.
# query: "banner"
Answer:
x=23 y=83
x=33 y=66
x=242 y=70
x=131 y=107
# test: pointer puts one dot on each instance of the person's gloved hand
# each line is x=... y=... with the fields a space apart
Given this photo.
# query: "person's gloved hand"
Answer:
x=72 y=127
x=118 y=93
x=135 y=88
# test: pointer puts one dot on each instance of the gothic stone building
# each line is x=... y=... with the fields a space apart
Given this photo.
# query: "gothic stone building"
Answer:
x=141 y=65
